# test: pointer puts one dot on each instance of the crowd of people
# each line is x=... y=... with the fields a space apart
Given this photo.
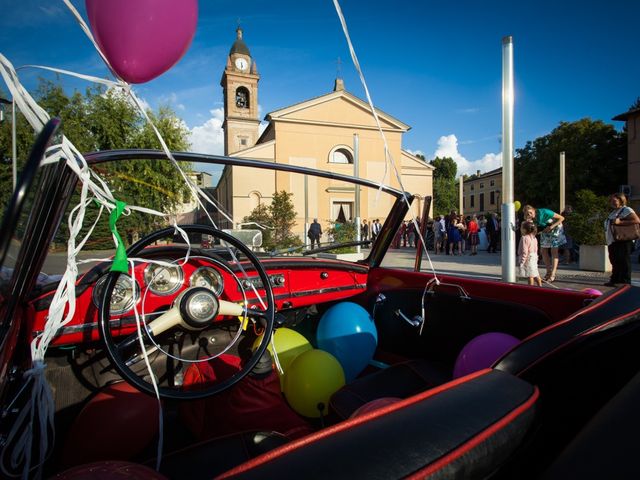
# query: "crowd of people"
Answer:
x=541 y=234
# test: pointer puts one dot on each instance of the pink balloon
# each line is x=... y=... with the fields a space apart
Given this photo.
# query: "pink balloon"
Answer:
x=143 y=38
x=592 y=291
x=482 y=352
x=374 y=405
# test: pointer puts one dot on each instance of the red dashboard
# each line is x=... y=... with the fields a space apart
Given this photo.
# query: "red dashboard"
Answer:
x=297 y=282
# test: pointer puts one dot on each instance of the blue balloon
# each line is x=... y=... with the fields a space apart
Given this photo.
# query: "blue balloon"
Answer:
x=348 y=332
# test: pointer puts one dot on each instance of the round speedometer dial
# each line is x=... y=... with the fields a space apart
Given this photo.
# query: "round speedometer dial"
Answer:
x=207 y=277
x=125 y=294
x=163 y=280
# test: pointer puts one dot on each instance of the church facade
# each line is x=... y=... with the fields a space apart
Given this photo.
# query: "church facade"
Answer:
x=317 y=133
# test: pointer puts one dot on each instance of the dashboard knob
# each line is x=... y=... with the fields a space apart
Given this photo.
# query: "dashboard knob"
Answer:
x=246 y=284
x=324 y=275
x=278 y=280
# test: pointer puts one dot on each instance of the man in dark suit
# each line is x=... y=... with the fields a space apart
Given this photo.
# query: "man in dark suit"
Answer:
x=493 y=232
x=315 y=232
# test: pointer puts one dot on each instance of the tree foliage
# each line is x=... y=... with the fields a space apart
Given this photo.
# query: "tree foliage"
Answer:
x=596 y=159
x=445 y=168
x=444 y=186
x=587 y=220
x=103 y=119
x=445 y=197
x=343 y=232
x=280 y=216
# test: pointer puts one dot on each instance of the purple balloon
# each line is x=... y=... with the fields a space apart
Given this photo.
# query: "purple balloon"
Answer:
x=143 y=38
x=482 y=352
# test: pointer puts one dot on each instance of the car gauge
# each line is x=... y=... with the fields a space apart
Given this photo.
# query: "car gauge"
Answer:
x=209 y=278
x=123 y=296
x=163 y=280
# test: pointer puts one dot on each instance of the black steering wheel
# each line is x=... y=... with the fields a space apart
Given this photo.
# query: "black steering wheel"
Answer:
x=195 y=308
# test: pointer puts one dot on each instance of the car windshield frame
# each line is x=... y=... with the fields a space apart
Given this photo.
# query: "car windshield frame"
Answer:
x=396 y=215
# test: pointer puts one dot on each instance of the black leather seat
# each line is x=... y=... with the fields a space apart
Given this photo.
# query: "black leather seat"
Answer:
x=207 y=459
x=606 y=447
x=579 y=363
x=401 y=380
x=462 y=429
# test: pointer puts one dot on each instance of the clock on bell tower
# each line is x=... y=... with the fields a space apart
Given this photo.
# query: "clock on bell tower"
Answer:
x=240 y=90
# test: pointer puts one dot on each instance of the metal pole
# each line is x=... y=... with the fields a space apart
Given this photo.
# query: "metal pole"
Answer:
x=562 y=181
x=508 y=254
x=356 y=174
x=306 y=210
x=14 y=147
x=461 y=196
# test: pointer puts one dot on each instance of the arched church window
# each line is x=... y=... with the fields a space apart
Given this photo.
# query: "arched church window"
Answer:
x=254 y=200
x=340 y=155
x=242 y=98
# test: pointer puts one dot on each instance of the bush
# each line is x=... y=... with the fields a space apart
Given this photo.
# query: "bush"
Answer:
x=280 y=218
x=586 y=223
x=343 y=232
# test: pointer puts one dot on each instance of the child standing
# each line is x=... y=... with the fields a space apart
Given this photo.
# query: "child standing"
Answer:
x=528 y=253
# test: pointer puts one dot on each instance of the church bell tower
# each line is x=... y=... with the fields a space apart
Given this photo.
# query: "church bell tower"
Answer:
x=240 y=90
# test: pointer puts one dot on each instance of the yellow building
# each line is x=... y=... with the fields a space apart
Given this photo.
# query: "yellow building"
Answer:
x=481 y=192
x=632 y=189
x=317 y=133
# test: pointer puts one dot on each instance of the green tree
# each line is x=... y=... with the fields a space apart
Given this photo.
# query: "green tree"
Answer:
x=596 y=159
x=445 y=167
x=343 y=232
x=445 y=197
x=102 y=119
x=281 y=217
x=444 y=185
x=587 y=220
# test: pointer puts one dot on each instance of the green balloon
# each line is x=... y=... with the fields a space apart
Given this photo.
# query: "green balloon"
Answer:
x=311 y=379
x=289 y=344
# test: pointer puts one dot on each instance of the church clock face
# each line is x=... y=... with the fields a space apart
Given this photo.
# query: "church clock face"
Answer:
x=241 y=63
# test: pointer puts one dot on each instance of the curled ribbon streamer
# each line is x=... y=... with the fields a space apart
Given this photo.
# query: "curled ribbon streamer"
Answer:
x=120 y=263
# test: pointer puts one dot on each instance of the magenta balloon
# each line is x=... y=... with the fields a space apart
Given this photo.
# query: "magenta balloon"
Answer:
x=592 y=291
x=482 y=352
x=143 y=38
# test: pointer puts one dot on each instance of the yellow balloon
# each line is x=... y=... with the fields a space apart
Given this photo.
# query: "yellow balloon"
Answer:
x=517 y=204
x=311 y=379
x=289 y=344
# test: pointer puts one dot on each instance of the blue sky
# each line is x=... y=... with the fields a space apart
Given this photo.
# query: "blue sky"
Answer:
x=434 y=65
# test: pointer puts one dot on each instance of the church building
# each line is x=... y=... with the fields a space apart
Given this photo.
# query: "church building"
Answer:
x=317 y=133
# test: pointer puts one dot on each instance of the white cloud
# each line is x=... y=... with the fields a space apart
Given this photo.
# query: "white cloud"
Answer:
x=209 y=137
x=172 y=100
x=448 y=147
x=468 y=110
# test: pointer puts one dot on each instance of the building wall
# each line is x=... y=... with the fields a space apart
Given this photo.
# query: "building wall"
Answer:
x=633 y=165
x=489 y=185
x=309 y=143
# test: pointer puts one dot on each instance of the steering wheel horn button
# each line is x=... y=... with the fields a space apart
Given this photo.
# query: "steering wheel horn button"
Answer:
x=199 y=306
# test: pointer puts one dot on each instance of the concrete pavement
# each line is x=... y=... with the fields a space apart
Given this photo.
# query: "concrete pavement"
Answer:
x=488 y=266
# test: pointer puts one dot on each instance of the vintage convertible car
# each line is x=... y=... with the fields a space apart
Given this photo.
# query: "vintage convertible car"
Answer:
x=173 y=357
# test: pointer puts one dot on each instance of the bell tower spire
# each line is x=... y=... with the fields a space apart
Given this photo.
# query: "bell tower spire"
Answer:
x=240 y=91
